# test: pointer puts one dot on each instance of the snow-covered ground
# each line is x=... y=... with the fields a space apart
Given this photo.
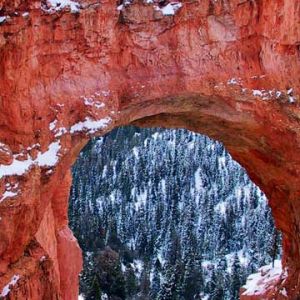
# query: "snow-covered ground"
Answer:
x=259 y=283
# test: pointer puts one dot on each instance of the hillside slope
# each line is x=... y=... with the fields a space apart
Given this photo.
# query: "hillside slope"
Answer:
x=173 y=213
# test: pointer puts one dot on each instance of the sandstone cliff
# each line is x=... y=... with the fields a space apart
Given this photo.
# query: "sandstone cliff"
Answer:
x=229 y=69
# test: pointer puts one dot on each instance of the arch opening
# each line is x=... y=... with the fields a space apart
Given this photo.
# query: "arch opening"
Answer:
x=268 y=159
x=113 y=183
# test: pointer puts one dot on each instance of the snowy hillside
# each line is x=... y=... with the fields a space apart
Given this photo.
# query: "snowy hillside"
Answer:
x=167 y=214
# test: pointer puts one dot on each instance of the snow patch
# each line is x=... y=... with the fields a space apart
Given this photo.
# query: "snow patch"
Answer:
x=4 y=148
x=233 y=81
x=88 y=101
x=163 y=186
x=221 y=207
x=90 y=125
x=50 y=157
x=3 y=19
x=155 y=135
x=11 y=190
x=7 y=288
x=104 y=297
x=19 y=167
x=284 y=292
x=291 y=99
x=141 y=200
x=92 y=102
x=269 y=94
x=135 y=152
x=170 y=9
x=206 y=264
x=260 y=282
x=137 y=266
x=191 y=145
x=112 y=196
x=105 y=93
x=198 y=180
x=57 y=131
x=222 y=161
x=58 y=5
x=8 y=194
x=123 y=268
x=52 y=125
x=60 y=131
x=257 y=93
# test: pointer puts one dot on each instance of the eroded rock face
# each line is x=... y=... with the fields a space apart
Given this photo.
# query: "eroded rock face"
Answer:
x=228 y=69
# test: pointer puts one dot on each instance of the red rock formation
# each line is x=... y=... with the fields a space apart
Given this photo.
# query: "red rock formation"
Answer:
x=228 y=69
x=266 y=283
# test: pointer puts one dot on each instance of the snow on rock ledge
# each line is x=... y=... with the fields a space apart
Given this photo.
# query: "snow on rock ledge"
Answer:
x=260 y=284
x=169 y=9
x=48 y=158
x=90 y=125
x=58 y=5
x=7 y=288
x=51 y=156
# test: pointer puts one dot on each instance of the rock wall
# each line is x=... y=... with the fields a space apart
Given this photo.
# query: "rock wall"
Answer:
x=229 y=69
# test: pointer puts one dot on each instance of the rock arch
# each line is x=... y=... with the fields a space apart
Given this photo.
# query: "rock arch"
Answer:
x=228 y=69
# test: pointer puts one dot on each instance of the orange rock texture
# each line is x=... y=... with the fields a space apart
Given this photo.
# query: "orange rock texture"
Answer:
x=229 y=69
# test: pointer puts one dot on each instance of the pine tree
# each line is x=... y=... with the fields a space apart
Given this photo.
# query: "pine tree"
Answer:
x=145 y=283
x=95 y=291
x=168 y=288
x=155 y=283
x=192 y=280
x=235 y=277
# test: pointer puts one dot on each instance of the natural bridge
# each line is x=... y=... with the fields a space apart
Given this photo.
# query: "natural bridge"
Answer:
x=69 y=71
